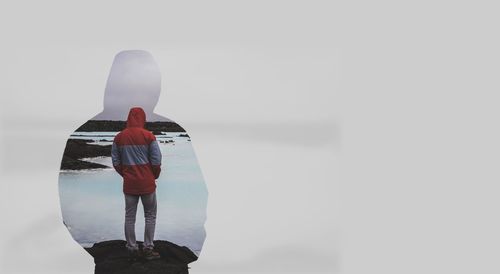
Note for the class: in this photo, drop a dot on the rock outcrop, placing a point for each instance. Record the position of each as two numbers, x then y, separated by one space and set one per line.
112 257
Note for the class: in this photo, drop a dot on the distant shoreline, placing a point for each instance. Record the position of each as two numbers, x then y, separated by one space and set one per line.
112 125
76 149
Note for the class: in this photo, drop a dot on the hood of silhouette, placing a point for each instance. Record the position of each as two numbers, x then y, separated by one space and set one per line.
134 81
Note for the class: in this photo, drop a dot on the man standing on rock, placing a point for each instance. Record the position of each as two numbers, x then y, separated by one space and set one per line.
136 157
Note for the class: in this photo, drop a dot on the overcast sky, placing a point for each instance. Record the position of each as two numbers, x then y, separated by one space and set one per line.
134 81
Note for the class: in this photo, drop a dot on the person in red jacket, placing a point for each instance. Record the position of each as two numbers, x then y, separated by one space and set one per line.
136 156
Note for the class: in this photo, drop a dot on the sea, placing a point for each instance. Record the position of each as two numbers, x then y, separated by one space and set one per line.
93 205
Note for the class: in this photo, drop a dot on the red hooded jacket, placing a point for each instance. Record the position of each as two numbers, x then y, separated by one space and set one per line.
136 155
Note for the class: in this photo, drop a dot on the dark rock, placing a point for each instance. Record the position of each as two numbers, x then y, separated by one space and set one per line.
110 125
80 148
112 257
158 132
69 163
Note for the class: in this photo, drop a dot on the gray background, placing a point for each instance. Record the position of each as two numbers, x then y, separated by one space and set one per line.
253 83
352 137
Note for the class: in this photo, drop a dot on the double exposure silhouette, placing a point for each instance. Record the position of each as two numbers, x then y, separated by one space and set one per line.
100 194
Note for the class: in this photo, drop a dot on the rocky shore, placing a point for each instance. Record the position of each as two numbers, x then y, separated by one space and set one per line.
110 125
111 257
77 149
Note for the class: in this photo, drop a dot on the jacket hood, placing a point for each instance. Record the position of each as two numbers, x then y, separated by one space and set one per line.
136 117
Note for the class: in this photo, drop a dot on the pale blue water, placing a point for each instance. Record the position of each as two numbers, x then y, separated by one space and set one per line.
92 201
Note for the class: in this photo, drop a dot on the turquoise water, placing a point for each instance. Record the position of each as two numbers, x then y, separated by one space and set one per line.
93 205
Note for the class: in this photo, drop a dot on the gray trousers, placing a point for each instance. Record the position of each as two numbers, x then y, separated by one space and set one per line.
149 204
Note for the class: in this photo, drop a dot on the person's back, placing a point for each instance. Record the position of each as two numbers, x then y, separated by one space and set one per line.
136 155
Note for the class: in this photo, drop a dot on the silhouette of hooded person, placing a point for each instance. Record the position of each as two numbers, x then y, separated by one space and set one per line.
91 191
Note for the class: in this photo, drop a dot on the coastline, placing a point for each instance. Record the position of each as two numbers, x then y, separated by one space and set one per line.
112 125
78 148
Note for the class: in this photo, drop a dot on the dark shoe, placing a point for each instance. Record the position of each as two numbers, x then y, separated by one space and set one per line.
133 254
150 254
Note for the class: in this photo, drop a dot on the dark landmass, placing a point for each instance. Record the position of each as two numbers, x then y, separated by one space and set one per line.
111 257
109 125
75 164
101 135
157 132
77 149
80 148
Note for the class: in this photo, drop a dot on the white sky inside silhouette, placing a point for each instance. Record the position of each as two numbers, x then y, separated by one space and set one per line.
134 81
